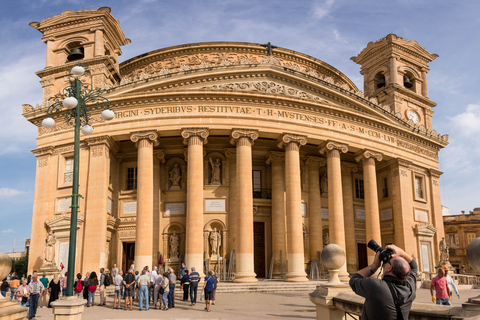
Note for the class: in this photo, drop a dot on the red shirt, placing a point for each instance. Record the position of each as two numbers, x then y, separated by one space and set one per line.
440 285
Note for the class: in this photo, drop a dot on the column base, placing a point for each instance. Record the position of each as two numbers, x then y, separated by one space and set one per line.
142 261
11 310
245 277
343 274
68 308
296 277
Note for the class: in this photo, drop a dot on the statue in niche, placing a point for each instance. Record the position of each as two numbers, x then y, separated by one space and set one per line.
215 171
174 244
50 248
215 241
324 184
326 239
174 177
444 250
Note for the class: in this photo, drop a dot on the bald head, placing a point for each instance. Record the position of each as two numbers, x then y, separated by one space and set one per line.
400 268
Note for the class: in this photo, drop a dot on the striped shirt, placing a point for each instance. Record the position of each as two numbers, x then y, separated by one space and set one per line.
36 287
194 276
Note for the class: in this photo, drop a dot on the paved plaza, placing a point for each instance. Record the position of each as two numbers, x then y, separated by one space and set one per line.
285 305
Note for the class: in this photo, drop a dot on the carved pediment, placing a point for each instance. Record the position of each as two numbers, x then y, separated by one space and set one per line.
423 229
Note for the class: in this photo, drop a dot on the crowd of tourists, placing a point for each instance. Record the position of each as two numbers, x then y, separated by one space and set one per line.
150 288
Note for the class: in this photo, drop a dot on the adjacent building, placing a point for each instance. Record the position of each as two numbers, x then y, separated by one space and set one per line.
222 146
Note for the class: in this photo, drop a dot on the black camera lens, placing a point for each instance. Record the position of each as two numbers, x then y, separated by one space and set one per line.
374 245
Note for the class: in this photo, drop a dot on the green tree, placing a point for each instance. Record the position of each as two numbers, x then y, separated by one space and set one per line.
19 266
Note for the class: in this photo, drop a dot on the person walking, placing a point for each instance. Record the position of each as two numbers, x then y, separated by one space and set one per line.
4 287
129 283
166 288
118 282
64 284
78 286
442 292
451 284
171 297
54 289
208 289
92 284
102 288
14 287
43 296
185 283
144 282
157 296
214 287
36 288
194 277
23 293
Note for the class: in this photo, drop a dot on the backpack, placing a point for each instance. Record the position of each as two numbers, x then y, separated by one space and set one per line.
107 281
78 286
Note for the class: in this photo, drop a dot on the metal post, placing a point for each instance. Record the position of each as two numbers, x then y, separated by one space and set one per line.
272 262
281 262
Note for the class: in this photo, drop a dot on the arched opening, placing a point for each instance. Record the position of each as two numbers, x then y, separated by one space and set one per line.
75 51
409 81
379 80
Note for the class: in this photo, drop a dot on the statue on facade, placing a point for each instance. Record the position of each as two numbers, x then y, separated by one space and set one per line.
324 184
50 248
444 250
326 239
174 177
215 241
174 245
216 180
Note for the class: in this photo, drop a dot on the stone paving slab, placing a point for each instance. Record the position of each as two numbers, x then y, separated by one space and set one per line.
278 305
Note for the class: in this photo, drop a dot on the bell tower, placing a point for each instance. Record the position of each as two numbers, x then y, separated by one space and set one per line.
395 72
91 37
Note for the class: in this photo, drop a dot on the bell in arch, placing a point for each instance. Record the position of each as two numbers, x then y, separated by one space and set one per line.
406 82
381 82
76 54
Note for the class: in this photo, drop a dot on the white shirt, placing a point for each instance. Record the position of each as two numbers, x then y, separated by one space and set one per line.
451 285
153 276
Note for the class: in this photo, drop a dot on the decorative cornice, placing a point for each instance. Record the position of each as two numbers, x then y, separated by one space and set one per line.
274 156
103 140
349 167
43 151
151 135
287 138
330 145
237 133
315 161
367 154
435 173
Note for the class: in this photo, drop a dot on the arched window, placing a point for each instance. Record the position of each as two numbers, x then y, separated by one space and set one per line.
379 80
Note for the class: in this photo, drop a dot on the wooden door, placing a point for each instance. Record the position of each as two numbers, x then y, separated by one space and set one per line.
362 255
259 249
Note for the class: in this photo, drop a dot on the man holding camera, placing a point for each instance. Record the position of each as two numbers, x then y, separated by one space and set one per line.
390 297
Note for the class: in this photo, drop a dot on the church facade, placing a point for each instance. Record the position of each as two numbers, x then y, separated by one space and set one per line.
223 146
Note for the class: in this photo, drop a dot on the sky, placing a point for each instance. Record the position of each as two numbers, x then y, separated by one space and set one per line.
330 30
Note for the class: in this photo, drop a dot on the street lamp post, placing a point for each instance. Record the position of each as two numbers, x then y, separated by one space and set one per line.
75 98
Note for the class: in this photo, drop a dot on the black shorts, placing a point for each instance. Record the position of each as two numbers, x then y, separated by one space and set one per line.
208 294
129 292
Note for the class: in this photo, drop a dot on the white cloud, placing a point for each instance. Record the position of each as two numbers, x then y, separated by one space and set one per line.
8 231
468 122
322 10
8 193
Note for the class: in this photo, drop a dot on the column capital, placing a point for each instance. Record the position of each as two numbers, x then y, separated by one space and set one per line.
159 154
286 138
103 140
435 173
274 156
349 167
230 152
315 161
150 135
401 163
330 145
44 151
201 132
237 133
367 154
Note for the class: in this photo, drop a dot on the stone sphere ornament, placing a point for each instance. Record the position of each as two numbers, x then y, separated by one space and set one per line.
78 71
48 123
5 265
473 255
70 102
333 257
87 129
107 114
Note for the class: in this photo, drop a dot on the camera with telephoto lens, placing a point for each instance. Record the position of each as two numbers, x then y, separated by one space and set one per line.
385 255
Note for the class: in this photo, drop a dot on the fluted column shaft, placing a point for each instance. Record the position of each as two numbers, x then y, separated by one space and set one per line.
372 217
195 138
144 140
277 160
295 247
243 139
314 205
231 155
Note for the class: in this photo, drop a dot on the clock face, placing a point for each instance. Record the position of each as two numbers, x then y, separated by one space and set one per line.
412 115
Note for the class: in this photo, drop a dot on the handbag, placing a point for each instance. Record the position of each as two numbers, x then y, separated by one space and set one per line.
161 290
24 299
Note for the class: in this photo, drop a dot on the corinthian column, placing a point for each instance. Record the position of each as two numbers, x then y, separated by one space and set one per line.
349 215
314 205
195 138
372 217
243 139
295 248
277 160
144 141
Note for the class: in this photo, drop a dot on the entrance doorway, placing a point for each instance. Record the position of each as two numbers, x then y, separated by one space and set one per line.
259 248
362 255
128 255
